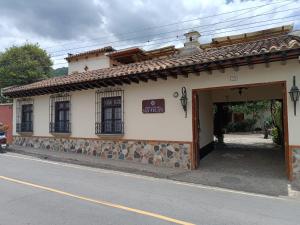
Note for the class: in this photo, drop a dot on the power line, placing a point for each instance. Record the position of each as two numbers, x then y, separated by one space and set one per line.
272 10
176 23
213 31
181 39
173 31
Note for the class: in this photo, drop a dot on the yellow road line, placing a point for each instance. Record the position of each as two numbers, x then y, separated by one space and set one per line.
182 183
117 206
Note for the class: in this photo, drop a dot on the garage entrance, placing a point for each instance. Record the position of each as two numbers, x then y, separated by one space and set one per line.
221 140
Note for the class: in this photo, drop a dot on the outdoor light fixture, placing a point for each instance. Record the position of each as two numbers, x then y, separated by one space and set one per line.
294 93
184 100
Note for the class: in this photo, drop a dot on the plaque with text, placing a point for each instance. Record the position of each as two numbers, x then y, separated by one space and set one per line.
153 106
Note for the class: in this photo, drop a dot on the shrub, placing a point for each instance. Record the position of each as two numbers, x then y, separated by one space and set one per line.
246 125
276 136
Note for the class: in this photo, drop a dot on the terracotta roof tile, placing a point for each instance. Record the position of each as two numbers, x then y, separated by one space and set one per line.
95 51
257 47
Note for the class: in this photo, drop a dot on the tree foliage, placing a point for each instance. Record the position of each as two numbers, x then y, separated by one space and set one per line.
59 72
276 113
252 108
24 64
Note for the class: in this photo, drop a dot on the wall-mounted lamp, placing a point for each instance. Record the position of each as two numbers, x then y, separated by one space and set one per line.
294 94
184 100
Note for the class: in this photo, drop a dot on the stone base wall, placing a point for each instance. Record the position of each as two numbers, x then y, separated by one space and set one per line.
164 154
296 163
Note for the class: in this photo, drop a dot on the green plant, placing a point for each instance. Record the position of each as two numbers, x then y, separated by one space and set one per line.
246 125
276 136
277 131
251 108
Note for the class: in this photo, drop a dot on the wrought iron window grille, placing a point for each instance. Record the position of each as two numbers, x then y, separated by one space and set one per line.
24 115
109 112
60 113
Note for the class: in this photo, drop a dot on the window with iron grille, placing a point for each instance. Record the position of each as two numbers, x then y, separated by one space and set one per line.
24 115
109 112
60 113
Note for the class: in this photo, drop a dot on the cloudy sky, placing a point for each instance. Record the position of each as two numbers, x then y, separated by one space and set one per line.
70 26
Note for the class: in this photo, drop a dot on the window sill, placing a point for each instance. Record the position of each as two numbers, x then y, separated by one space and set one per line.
60 134
110 135
25 133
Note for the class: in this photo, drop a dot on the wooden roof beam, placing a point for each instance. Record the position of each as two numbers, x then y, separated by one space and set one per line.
152 76
126 81
109 83
234 65
207 69
283 58
267 60
133 79
250 62
197 69
220 67
117 82
99 84
163 75
142 78
174 73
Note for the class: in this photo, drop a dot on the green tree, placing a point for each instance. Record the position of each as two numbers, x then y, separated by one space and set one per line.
59 72
252 108
276 114
24 64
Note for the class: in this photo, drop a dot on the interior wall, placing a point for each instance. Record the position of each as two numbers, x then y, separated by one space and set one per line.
250 94
206 118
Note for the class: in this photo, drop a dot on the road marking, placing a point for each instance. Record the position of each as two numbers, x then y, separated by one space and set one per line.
182 183
109 204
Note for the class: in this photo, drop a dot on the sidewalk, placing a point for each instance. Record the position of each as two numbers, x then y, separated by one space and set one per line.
92 161
259 185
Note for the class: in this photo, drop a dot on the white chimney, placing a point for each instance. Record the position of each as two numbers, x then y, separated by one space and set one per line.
191 44
192 39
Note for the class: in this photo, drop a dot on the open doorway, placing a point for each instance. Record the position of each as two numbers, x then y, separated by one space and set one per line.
241 130
249 124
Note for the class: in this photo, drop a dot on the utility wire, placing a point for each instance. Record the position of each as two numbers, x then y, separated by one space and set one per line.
173 31
172 24
181 39
176 23
213 31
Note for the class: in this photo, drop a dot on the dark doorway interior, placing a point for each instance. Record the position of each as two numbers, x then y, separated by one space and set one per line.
247 136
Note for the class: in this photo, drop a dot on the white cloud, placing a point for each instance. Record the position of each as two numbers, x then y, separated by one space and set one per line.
70 26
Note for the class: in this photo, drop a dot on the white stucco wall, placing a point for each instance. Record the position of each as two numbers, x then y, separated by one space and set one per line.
206 117
171 125
93 63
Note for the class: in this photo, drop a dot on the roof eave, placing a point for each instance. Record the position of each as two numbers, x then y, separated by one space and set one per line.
184 70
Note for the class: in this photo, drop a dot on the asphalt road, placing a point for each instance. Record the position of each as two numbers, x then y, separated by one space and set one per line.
40 192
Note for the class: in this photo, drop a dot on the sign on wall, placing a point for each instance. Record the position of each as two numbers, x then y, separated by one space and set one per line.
153 106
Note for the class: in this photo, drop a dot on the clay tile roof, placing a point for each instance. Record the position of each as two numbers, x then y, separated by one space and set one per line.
95 51
234 51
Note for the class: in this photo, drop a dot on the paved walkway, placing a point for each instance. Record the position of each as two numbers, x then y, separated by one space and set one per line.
245 140
278 186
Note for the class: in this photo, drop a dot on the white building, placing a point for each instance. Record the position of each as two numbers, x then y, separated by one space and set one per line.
156 106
